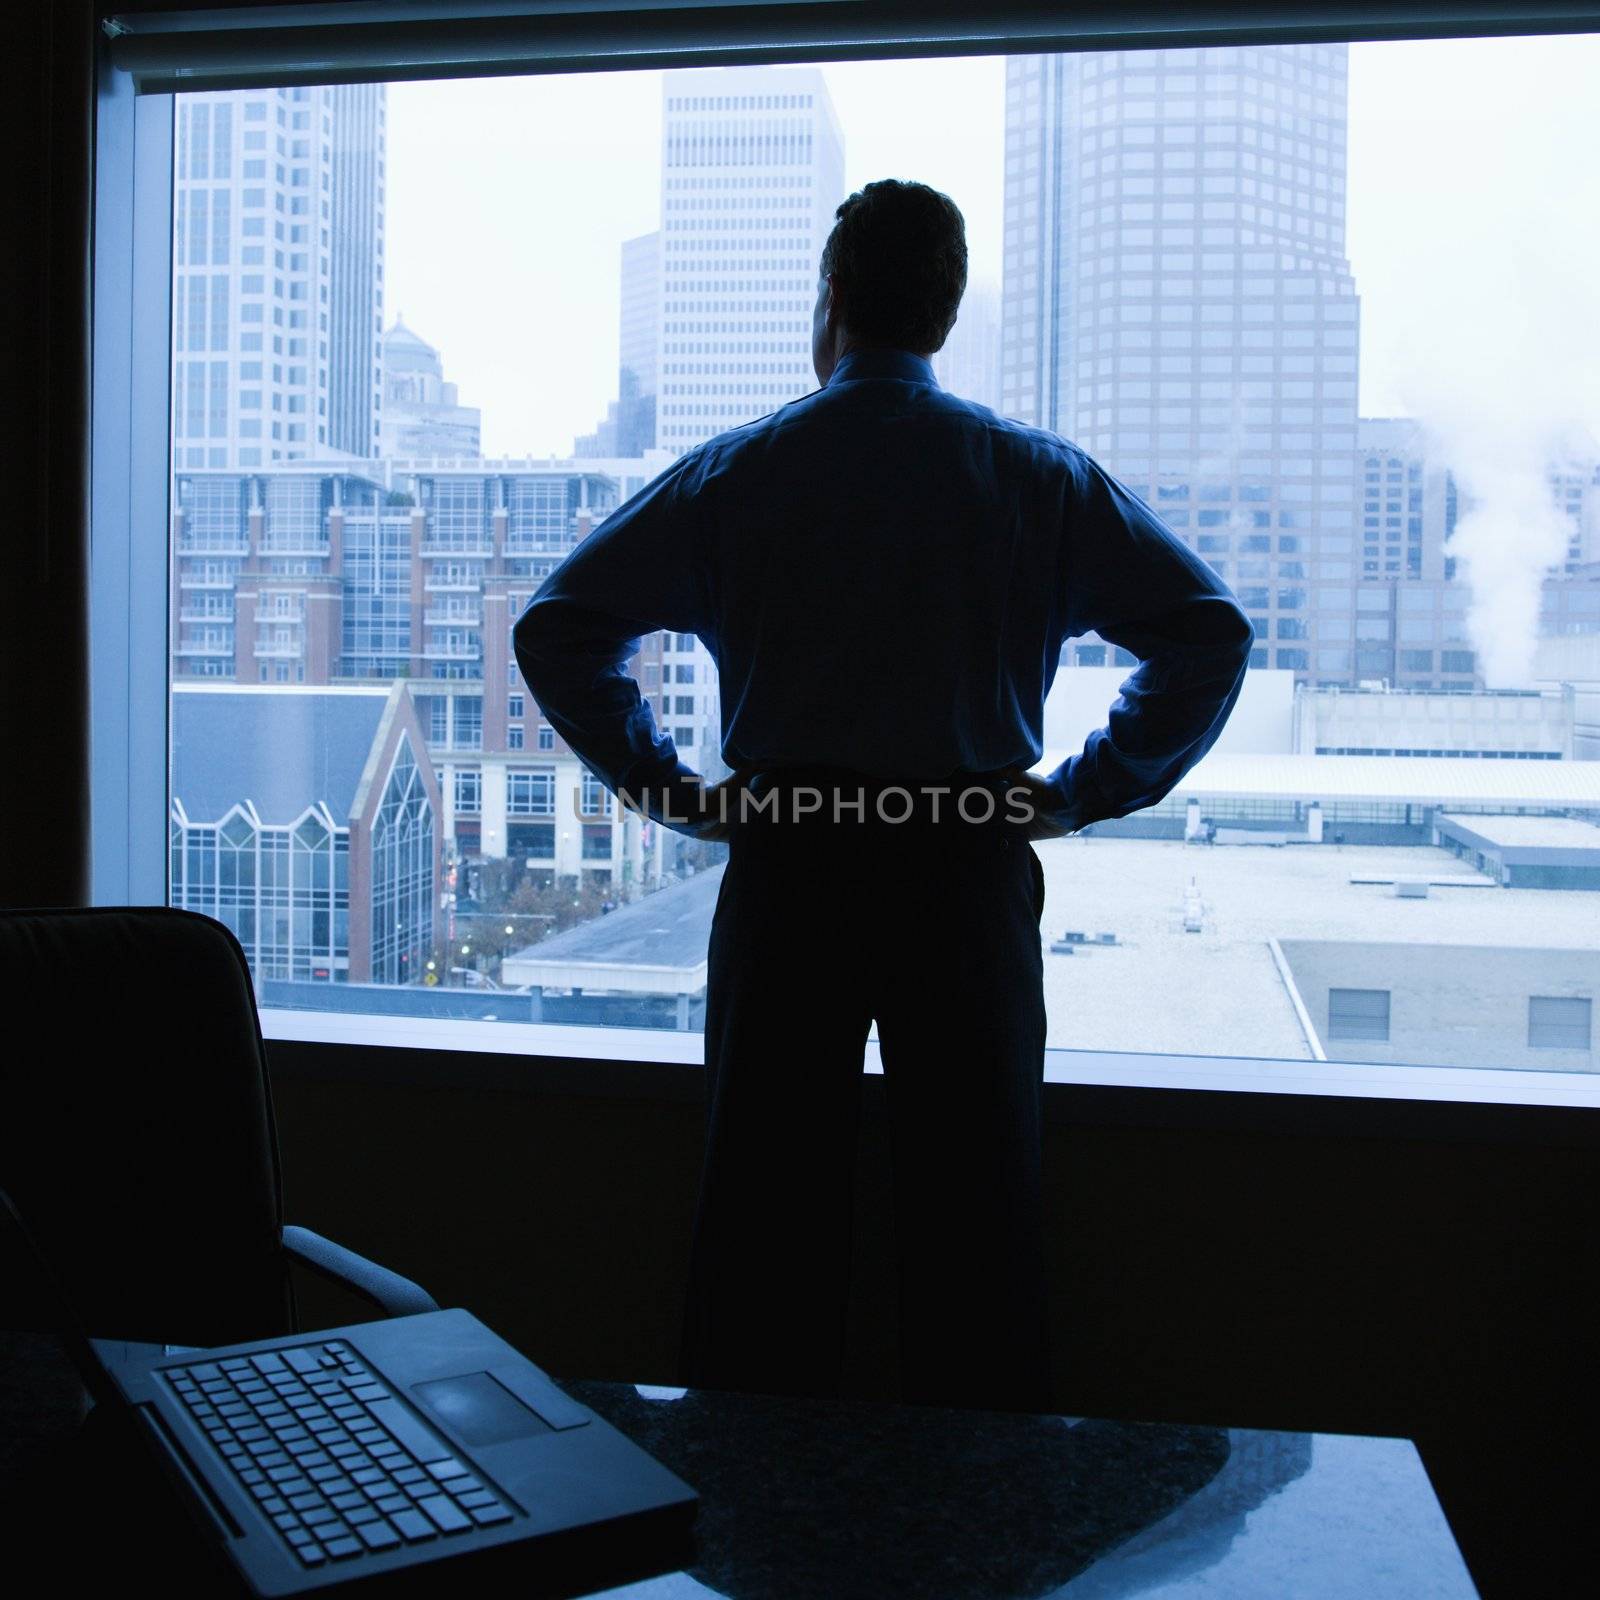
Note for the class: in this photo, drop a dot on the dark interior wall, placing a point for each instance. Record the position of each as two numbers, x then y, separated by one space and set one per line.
558 1218
44 400
1382 1267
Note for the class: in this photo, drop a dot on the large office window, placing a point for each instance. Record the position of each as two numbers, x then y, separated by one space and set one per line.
1274 289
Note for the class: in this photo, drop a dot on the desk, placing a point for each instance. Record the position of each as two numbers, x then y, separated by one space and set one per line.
837 1500
852 1501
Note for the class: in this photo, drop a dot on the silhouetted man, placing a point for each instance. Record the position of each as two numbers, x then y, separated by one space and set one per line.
885 575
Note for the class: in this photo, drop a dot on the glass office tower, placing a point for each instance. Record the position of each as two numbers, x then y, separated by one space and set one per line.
277 274
752 169
1177 301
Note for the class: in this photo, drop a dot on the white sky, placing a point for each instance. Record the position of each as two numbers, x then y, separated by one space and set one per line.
1473 229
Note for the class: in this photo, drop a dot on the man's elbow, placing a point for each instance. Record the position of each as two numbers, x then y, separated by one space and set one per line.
1242 635
1221 632
533 645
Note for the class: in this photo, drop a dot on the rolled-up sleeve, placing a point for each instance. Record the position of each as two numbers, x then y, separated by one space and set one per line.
1129 579
640 571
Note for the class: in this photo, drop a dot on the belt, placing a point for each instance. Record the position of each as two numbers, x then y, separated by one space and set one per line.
827 777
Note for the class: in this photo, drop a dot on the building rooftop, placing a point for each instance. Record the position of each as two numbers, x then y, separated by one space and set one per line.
1219 990
281 747
398 336
1561 833
1415 780
655 944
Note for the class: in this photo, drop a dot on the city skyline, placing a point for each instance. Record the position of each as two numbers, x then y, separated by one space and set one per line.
1420 149
1254 168
304 582
351 616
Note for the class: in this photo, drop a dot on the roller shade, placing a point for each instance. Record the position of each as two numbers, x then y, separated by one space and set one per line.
369 40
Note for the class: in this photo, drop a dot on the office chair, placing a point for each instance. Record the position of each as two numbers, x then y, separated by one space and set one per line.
137 1145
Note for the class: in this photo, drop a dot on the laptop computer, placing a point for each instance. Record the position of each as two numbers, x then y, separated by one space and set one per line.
382 1449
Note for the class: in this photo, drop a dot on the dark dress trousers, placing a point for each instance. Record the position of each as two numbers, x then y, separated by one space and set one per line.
931 929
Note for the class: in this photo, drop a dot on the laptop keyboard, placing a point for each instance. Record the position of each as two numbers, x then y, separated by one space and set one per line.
331 1455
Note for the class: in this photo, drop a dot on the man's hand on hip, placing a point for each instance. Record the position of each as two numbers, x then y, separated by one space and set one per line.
1048 820
715 808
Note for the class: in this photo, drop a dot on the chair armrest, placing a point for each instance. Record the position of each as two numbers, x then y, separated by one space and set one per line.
393 1295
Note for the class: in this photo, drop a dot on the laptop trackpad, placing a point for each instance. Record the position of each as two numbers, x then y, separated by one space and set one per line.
479 1410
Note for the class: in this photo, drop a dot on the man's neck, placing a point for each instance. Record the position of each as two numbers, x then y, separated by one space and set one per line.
850 347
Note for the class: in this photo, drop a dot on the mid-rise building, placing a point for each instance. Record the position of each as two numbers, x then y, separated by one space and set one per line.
277 274
1576 487
414 572
1408 503
1177 301
307 820
422 414
752 172
1569 626
1405 620
1482 725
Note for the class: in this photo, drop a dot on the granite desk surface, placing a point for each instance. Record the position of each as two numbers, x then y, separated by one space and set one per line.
852 1501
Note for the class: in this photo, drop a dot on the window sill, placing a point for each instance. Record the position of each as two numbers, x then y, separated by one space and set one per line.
596 1048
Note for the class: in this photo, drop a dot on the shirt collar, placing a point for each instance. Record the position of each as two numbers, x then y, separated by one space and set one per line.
900 365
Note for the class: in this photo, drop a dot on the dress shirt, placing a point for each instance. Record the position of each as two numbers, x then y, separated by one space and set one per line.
885 575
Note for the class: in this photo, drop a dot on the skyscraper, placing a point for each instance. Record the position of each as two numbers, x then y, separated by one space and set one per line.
752 169
277 274
637 347
628 428
1177 301
355 266
969 363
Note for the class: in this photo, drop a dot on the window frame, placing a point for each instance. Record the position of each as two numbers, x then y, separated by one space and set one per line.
397 40
144 56
130 509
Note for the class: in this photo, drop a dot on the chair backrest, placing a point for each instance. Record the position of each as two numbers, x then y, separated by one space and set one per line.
136 1132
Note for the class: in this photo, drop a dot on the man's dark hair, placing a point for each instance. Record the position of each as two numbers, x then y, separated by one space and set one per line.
898 258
